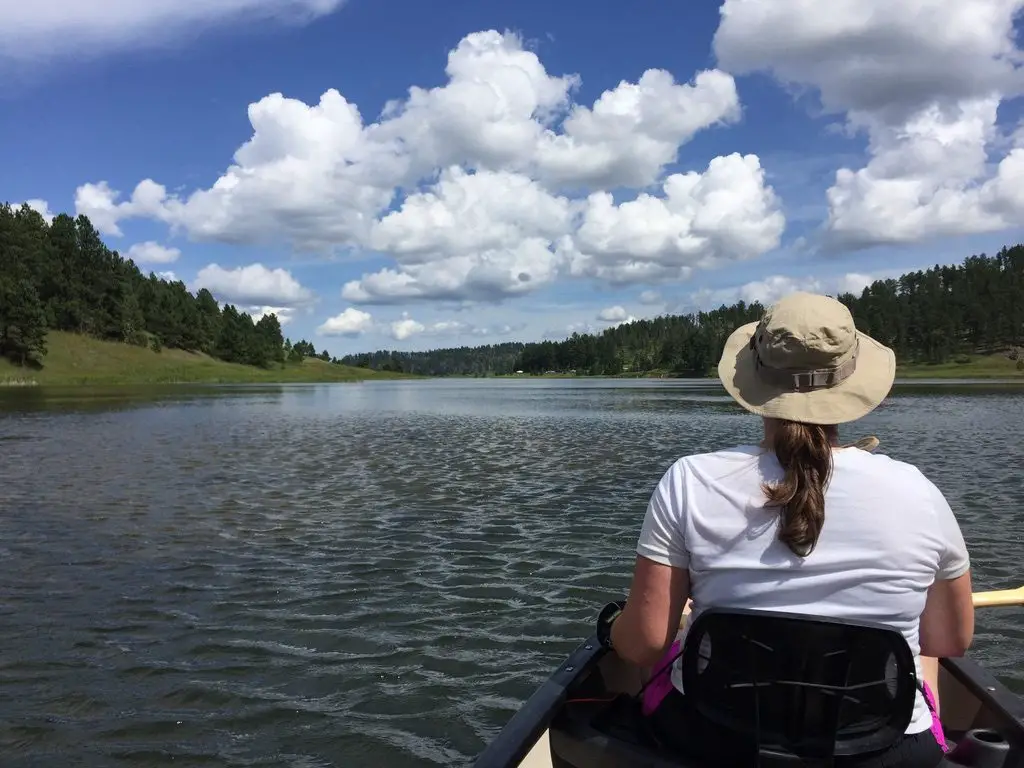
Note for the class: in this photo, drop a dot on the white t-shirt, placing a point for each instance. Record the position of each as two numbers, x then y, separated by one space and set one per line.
888 534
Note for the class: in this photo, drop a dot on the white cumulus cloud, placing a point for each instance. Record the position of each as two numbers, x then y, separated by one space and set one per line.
406 327
150 252
253 285
42 207
484 235
477 188
284 314
614 314
923 79
727 213
351 322
64 27
770 289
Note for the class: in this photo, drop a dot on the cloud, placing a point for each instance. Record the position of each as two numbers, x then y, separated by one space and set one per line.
406 327
99 203
152 253
351 322
254 285
571 328
877 57
615 316
502 329
284 314
770 289
635 130
42 207
650 298
477 188
486 235
612 314
65 27
923 79
726 213
929 178
493 235
168 275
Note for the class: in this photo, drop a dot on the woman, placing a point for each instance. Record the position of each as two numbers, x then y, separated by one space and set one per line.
799 523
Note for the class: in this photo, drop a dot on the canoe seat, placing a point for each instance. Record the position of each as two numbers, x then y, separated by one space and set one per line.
803 686
774 688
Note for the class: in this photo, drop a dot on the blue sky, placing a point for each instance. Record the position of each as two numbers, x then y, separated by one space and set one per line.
544 183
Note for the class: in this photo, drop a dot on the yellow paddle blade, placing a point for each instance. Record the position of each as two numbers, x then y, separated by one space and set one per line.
999 597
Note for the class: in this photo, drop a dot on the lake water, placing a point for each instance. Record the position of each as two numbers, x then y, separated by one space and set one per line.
372 574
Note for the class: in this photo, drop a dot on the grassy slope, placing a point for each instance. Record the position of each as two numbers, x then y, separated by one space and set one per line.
74 359
978 367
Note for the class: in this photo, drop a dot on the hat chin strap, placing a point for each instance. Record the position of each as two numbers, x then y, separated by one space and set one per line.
795 380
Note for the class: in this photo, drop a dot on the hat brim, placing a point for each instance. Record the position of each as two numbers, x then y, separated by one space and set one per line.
848 400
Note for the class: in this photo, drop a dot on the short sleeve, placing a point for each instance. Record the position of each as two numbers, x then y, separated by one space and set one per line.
954 561
661 536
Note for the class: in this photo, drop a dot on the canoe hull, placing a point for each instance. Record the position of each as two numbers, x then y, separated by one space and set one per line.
549 733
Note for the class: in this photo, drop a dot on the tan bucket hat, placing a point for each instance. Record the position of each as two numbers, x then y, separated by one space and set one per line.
806 361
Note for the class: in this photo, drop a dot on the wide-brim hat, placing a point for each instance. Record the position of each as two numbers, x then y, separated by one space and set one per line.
806 361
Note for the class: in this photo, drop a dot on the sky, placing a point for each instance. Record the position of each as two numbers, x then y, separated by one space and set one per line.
394 174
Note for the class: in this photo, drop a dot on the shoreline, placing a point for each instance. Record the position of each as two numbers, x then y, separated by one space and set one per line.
73 360
80 361
303 377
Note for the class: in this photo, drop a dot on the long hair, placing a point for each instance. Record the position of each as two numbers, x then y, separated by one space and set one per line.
805 453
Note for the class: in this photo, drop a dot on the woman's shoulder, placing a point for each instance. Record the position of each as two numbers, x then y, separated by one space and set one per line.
731 456
878 463
883 468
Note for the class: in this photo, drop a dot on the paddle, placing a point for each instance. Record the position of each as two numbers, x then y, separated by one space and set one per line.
999 597
868 443
991 599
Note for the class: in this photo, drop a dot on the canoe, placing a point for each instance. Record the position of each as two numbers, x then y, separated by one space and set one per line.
585 716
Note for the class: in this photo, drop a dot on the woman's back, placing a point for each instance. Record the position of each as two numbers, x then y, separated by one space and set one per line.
802 526
888 534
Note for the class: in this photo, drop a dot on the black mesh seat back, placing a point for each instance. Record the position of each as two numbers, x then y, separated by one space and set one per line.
802 685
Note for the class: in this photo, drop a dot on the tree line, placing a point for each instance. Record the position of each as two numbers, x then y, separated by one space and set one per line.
456 361
61 276
929 316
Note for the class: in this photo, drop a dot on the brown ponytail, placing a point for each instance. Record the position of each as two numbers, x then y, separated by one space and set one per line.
805 453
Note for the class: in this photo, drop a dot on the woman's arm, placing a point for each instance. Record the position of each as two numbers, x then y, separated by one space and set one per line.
650 620
947 624
661 576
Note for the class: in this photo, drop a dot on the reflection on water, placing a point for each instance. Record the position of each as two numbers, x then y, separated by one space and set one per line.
371 574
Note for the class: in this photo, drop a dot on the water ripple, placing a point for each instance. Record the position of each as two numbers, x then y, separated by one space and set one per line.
370 575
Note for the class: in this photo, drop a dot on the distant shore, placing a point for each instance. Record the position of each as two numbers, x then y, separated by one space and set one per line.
980 367
73 360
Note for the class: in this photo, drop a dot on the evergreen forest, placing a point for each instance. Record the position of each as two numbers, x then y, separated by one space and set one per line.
929 317
61 276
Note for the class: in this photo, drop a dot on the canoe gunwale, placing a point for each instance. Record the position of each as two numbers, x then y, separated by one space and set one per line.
995 698
1002 708
527 725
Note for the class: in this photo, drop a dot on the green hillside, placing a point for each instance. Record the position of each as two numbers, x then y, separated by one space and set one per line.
997 366
76 359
